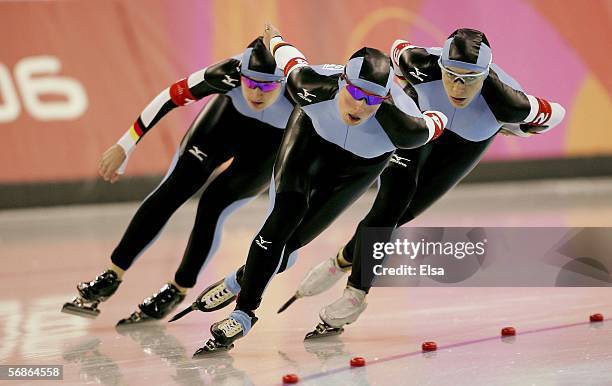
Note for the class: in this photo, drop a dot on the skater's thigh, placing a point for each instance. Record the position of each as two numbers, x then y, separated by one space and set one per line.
447 164
183 179
248 175
395 190
299 160
328 200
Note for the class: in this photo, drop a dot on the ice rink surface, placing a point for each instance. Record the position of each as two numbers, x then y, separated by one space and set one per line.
45 252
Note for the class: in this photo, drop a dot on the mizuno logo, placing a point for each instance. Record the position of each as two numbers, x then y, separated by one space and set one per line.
229 81
417 74
399 160
305 95
199 154
261 242
333 67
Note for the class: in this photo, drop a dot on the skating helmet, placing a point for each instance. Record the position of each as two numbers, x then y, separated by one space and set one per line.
468 49
370 70
258 63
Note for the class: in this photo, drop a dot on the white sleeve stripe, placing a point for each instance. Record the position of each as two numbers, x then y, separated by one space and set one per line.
127 143
153 108
535 107
274 42
196 77
287 55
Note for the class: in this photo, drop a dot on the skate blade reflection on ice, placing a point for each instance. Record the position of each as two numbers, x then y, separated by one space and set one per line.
94 366
138 329
326 349
79 350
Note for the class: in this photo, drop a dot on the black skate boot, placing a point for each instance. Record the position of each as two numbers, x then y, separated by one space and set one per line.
213 298
155 307
92 293
323 330
226 332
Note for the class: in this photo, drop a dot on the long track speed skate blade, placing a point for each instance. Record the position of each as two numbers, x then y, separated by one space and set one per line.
187 310
137 317
288 303
212 347
323 330
78 308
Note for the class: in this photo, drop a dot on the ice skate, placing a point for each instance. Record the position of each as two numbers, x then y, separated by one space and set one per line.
92 293
226 332
155 307
343 311
212 347
319 279
323 330
214 297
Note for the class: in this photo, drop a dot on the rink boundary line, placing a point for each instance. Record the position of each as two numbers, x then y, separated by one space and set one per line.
371 362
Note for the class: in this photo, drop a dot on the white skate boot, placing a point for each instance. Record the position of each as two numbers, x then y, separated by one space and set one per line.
225 332
343 311
319 279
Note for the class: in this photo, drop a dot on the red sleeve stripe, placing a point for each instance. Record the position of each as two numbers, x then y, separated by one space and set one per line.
138 128
294 62
398 49
544 112
180 93
279 45
438 123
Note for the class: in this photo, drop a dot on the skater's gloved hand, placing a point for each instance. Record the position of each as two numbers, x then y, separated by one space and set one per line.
110 163
514 129
270 31
533 129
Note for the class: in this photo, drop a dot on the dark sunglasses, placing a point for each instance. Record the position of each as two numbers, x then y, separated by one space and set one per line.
263 86
359 93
